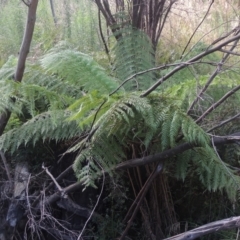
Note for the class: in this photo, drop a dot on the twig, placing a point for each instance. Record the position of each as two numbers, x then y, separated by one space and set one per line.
158 68
101 34
53 179
224 122
190 39
230 52
215 73
103 173
27 4
196 58
216 104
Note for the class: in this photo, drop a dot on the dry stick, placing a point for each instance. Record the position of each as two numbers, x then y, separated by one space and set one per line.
194 59
213 227
53 179
140 197
6 166
85 225
190 39
232 53
216 104
224 122
215 73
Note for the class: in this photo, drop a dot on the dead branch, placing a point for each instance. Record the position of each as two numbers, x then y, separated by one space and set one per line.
220 225
216 104
224 122
212 77
203 19
194 59
218 140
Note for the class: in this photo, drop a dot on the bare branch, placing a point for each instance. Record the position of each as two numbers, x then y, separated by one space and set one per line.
212 227
214 74
181 66
216 104
224 122
159 68
53 179
190 39
230 52
26 3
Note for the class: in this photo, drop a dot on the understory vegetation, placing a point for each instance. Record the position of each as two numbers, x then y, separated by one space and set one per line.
121 128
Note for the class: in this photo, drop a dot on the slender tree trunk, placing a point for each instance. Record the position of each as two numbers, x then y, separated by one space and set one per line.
24 50
53 12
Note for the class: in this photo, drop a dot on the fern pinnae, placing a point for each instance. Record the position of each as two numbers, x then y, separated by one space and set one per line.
174 128
182 164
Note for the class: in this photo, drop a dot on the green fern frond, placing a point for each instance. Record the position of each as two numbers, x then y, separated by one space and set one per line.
214 173
36 75
8 69
182 164
132 118
43 127
133 54
78 68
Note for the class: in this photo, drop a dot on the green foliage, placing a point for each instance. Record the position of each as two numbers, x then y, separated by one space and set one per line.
193 71
155 123
133 54
58 100
78 68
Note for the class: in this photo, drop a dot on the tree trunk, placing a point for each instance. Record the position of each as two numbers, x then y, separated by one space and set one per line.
24 50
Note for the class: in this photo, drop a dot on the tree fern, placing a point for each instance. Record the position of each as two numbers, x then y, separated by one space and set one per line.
43 127
131 118
78 68
133 53
68 93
